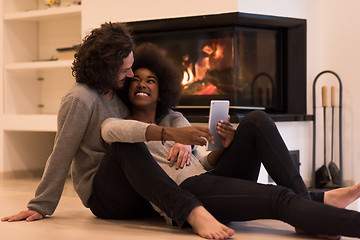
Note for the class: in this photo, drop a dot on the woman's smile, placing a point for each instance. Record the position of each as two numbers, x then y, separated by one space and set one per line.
142 94
144 88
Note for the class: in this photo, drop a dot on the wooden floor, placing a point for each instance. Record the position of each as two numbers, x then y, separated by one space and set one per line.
72 221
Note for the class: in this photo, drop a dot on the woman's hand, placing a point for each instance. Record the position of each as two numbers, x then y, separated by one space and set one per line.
181 154
28 215
226 132
193 135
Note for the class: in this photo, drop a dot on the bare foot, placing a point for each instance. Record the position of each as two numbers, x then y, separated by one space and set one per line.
206 226
342 197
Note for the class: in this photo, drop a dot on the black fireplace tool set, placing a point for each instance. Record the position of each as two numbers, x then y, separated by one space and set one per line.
328 176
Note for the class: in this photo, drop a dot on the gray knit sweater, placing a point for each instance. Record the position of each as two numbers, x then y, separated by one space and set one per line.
78 143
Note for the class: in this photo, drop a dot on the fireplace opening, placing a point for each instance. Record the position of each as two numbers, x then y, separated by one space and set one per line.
255 61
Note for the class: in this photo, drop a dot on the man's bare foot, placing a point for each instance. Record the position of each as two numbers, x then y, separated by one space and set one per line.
206 226
342 197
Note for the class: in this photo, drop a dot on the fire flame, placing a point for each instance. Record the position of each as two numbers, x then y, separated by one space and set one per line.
211 57
188 76
201 66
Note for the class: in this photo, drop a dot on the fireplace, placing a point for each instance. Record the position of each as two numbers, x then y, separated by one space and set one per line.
255 61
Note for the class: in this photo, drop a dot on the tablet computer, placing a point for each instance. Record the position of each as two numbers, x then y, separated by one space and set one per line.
219 110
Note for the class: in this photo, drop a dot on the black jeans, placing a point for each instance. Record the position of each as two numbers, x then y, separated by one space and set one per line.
128 178
231 193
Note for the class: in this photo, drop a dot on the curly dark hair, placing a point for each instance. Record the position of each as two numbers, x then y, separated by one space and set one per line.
99 58
148 55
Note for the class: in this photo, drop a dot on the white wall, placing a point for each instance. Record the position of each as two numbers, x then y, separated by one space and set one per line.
1 85
340 50
136 10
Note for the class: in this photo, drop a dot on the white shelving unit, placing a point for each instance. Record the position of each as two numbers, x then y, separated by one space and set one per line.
33 80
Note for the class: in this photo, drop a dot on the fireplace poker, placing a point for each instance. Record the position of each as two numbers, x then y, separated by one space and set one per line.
334 170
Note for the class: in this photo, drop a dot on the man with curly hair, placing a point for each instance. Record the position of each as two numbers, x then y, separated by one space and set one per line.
117 181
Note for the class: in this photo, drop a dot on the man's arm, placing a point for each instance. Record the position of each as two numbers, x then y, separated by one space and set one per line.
72 123
71 127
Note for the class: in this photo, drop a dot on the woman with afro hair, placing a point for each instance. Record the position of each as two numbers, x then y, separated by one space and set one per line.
149 56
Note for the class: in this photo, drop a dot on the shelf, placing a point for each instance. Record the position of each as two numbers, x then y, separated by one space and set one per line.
44 14
38 65
33 81
31 122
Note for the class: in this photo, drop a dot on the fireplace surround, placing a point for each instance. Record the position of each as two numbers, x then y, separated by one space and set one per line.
255 61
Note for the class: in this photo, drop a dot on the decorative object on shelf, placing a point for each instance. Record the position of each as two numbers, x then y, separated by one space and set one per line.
52 3
321 177
67 3
66 53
